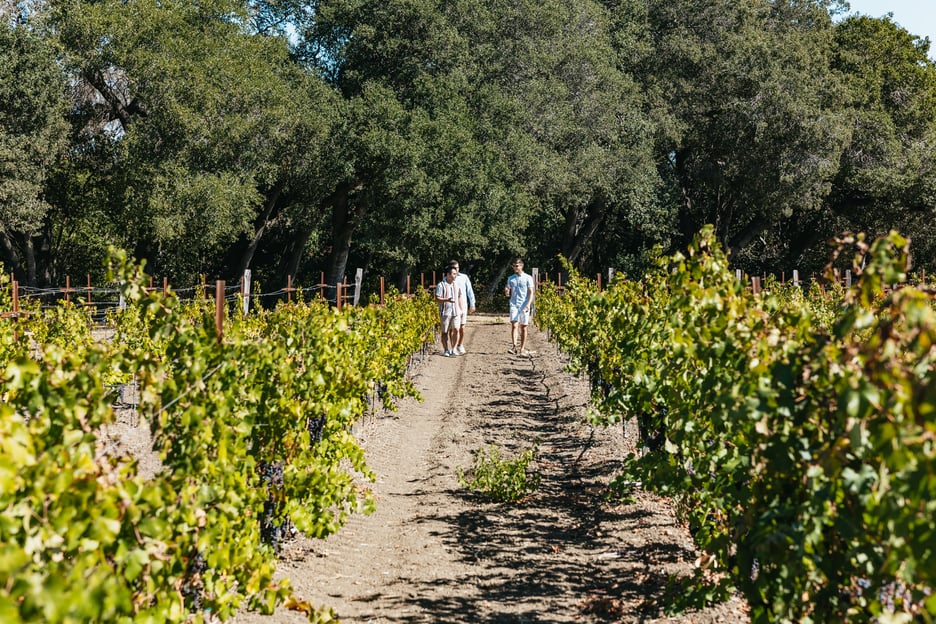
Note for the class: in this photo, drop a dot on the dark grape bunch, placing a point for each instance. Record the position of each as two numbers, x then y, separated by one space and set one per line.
315 427
274 526
193 587
271 473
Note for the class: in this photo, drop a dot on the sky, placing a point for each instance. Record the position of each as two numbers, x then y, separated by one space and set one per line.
918 17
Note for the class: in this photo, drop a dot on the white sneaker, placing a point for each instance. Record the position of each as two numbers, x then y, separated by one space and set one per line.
447 353
461 349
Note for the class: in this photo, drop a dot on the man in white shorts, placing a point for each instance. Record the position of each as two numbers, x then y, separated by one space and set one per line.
447 295
520 290
466 301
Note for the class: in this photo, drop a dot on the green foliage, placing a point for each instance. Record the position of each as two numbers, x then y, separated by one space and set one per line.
33 134
86 539
292 138
500 479
792 429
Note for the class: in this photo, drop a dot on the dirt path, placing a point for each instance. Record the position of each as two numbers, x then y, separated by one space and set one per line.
434 553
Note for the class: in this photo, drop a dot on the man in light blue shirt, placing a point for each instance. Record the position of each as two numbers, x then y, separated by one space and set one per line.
521 292
467 299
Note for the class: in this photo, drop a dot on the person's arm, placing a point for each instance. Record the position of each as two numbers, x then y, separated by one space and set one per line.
440 295
470 292
531 294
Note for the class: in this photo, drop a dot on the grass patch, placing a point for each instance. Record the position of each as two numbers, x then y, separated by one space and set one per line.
501 479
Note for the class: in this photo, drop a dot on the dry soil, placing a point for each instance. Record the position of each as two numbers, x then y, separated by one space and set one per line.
434 552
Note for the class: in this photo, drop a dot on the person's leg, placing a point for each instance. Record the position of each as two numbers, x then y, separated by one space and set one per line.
446 325
457 329
513 335
523 334
453 339
461 332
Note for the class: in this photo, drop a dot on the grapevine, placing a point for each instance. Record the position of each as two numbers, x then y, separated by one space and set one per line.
793 429
84 538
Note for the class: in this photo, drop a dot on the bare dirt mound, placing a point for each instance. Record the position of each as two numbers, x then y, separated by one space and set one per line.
433 552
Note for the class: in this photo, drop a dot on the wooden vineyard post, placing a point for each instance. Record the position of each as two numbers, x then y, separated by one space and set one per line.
68 290
358 280
382 290
322 287
598 281
219 309
15 308
756 284
289 289
796 281
89 305
245 290
338 295
407 286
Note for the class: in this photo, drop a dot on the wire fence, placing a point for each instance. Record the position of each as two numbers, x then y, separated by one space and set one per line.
100 301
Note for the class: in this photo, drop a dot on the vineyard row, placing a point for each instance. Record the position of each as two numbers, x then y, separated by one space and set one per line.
253 436
794 428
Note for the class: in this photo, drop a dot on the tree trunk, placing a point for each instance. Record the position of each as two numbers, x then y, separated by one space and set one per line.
743 238
14 263
120 110
498 281
264 222
29 250
344 222
295 257
578 234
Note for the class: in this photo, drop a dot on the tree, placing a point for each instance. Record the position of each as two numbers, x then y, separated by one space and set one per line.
887 173
566 115
213 129
759 126
33 136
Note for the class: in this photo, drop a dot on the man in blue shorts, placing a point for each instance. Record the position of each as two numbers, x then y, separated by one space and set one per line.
520 290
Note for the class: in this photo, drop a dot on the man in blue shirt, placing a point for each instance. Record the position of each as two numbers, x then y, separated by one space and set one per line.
520 290
466 298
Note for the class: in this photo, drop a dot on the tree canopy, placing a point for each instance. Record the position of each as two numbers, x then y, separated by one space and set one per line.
294 137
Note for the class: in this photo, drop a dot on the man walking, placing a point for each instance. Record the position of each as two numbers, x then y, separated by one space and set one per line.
520 290
466 298
447 295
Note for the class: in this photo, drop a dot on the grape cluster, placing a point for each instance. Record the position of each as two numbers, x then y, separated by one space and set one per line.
274 526
271 473
315 427
653 429
193 587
